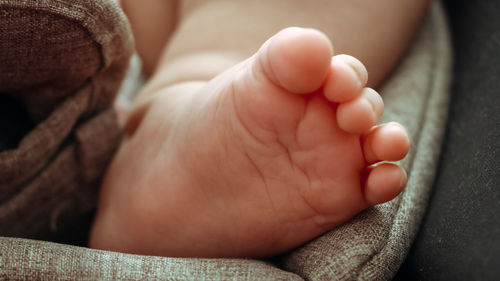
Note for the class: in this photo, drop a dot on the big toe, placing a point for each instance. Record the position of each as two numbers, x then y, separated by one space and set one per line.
296 59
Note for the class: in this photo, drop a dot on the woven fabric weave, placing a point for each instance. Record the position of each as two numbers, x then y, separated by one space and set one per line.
63 61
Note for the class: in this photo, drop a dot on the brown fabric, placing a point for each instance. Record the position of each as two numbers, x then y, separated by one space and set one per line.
63 61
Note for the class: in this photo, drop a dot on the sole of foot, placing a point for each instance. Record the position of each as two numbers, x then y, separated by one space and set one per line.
264 157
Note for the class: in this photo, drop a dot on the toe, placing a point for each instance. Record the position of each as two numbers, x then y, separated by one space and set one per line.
296 59
388 142
383 183
346 79
359 115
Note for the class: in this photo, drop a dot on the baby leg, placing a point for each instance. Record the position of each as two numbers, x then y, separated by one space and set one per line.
152 22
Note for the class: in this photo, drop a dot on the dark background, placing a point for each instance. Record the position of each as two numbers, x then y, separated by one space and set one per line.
460 235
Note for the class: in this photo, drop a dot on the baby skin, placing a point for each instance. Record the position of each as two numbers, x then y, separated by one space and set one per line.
266 156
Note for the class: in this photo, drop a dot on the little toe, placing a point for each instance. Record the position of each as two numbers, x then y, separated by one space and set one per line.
383 183
388 142
296 59
360 115
346 79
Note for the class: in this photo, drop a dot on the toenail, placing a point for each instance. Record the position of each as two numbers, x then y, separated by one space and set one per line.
398 127
395 124
357 67
374 100
362 78
392 127
403 177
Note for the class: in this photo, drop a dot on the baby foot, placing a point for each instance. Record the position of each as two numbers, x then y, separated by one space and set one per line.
266 156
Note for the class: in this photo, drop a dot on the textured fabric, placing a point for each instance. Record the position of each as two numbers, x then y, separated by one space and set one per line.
62 62
33 260
374 244
369 247
460 234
